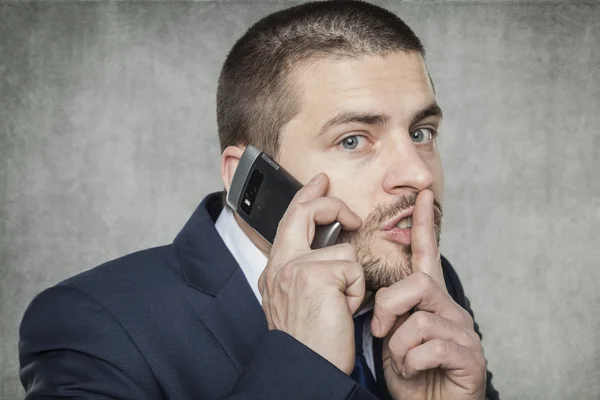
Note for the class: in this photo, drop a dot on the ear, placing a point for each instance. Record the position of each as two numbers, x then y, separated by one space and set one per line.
229 162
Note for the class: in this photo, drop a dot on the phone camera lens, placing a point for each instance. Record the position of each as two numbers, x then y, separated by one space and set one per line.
251 192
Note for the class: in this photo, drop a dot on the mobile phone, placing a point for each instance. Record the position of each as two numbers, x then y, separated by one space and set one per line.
261 192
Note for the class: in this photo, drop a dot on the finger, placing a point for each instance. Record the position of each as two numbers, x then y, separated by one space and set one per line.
416 290
459 360
297 227
425 252
265 297
345 276
316 187
386 356
422 327
342 251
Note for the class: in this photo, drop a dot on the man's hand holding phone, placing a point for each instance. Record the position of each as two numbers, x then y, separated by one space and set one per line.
312 294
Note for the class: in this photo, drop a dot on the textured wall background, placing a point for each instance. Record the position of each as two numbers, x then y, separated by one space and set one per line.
108 141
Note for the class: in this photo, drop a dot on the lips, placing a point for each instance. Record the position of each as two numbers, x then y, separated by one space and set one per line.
387 226
403 236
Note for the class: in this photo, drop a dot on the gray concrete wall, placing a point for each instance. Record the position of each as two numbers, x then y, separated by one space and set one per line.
108 141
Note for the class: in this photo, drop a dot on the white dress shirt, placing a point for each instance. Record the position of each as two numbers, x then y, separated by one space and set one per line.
252 262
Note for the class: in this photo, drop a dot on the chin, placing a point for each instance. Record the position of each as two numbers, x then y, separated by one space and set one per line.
384 263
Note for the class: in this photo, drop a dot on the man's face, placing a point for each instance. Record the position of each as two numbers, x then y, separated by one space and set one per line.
369 123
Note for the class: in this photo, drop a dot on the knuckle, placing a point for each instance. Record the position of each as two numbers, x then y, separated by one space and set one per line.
421 278
281 225
467 320
286 273
440 347
425 281
302 277
356 269
295 210
269 276
418 254
482 362
326 206
421 319
302 194
394 346
474 338
479 361
347 250
412 359
337 202
381 300
346 264
306 276
291 213
351 267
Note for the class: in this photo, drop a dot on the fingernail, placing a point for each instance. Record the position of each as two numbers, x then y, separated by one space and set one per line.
394 367
404 371
316 179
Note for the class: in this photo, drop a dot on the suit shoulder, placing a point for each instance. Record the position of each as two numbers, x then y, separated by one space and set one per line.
66 336
142 266
135 280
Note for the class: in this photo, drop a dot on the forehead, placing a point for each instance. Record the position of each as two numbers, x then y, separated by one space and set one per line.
396 83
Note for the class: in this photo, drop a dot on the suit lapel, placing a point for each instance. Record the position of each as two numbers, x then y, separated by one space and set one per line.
237 320
235 317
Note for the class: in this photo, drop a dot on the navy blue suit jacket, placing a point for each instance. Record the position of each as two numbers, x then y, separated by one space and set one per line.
173 322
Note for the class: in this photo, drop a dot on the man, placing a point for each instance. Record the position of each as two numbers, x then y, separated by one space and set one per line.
339 94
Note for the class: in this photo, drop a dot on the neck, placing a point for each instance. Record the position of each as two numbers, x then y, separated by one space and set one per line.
254 237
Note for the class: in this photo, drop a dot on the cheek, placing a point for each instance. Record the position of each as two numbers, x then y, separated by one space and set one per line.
299 159
359 194
357 187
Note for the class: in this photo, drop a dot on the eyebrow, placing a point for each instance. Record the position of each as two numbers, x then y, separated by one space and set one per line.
350 117
379 119
433 110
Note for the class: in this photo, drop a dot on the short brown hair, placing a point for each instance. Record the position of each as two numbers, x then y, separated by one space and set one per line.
255 98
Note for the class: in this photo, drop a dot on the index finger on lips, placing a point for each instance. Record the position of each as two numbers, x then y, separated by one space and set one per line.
425 253
417 290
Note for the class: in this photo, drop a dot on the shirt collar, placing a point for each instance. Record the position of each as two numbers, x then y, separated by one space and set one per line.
250 259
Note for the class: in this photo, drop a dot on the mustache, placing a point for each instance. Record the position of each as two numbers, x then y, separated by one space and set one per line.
382 213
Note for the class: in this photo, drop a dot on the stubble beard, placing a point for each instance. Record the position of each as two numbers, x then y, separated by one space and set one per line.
383 270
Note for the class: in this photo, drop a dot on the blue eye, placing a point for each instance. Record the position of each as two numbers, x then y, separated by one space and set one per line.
351 142
422 135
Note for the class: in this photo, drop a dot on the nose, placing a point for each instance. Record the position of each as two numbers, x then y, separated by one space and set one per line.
407 170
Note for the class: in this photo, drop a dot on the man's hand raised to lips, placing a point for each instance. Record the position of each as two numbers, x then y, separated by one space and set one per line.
312 294
433 353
